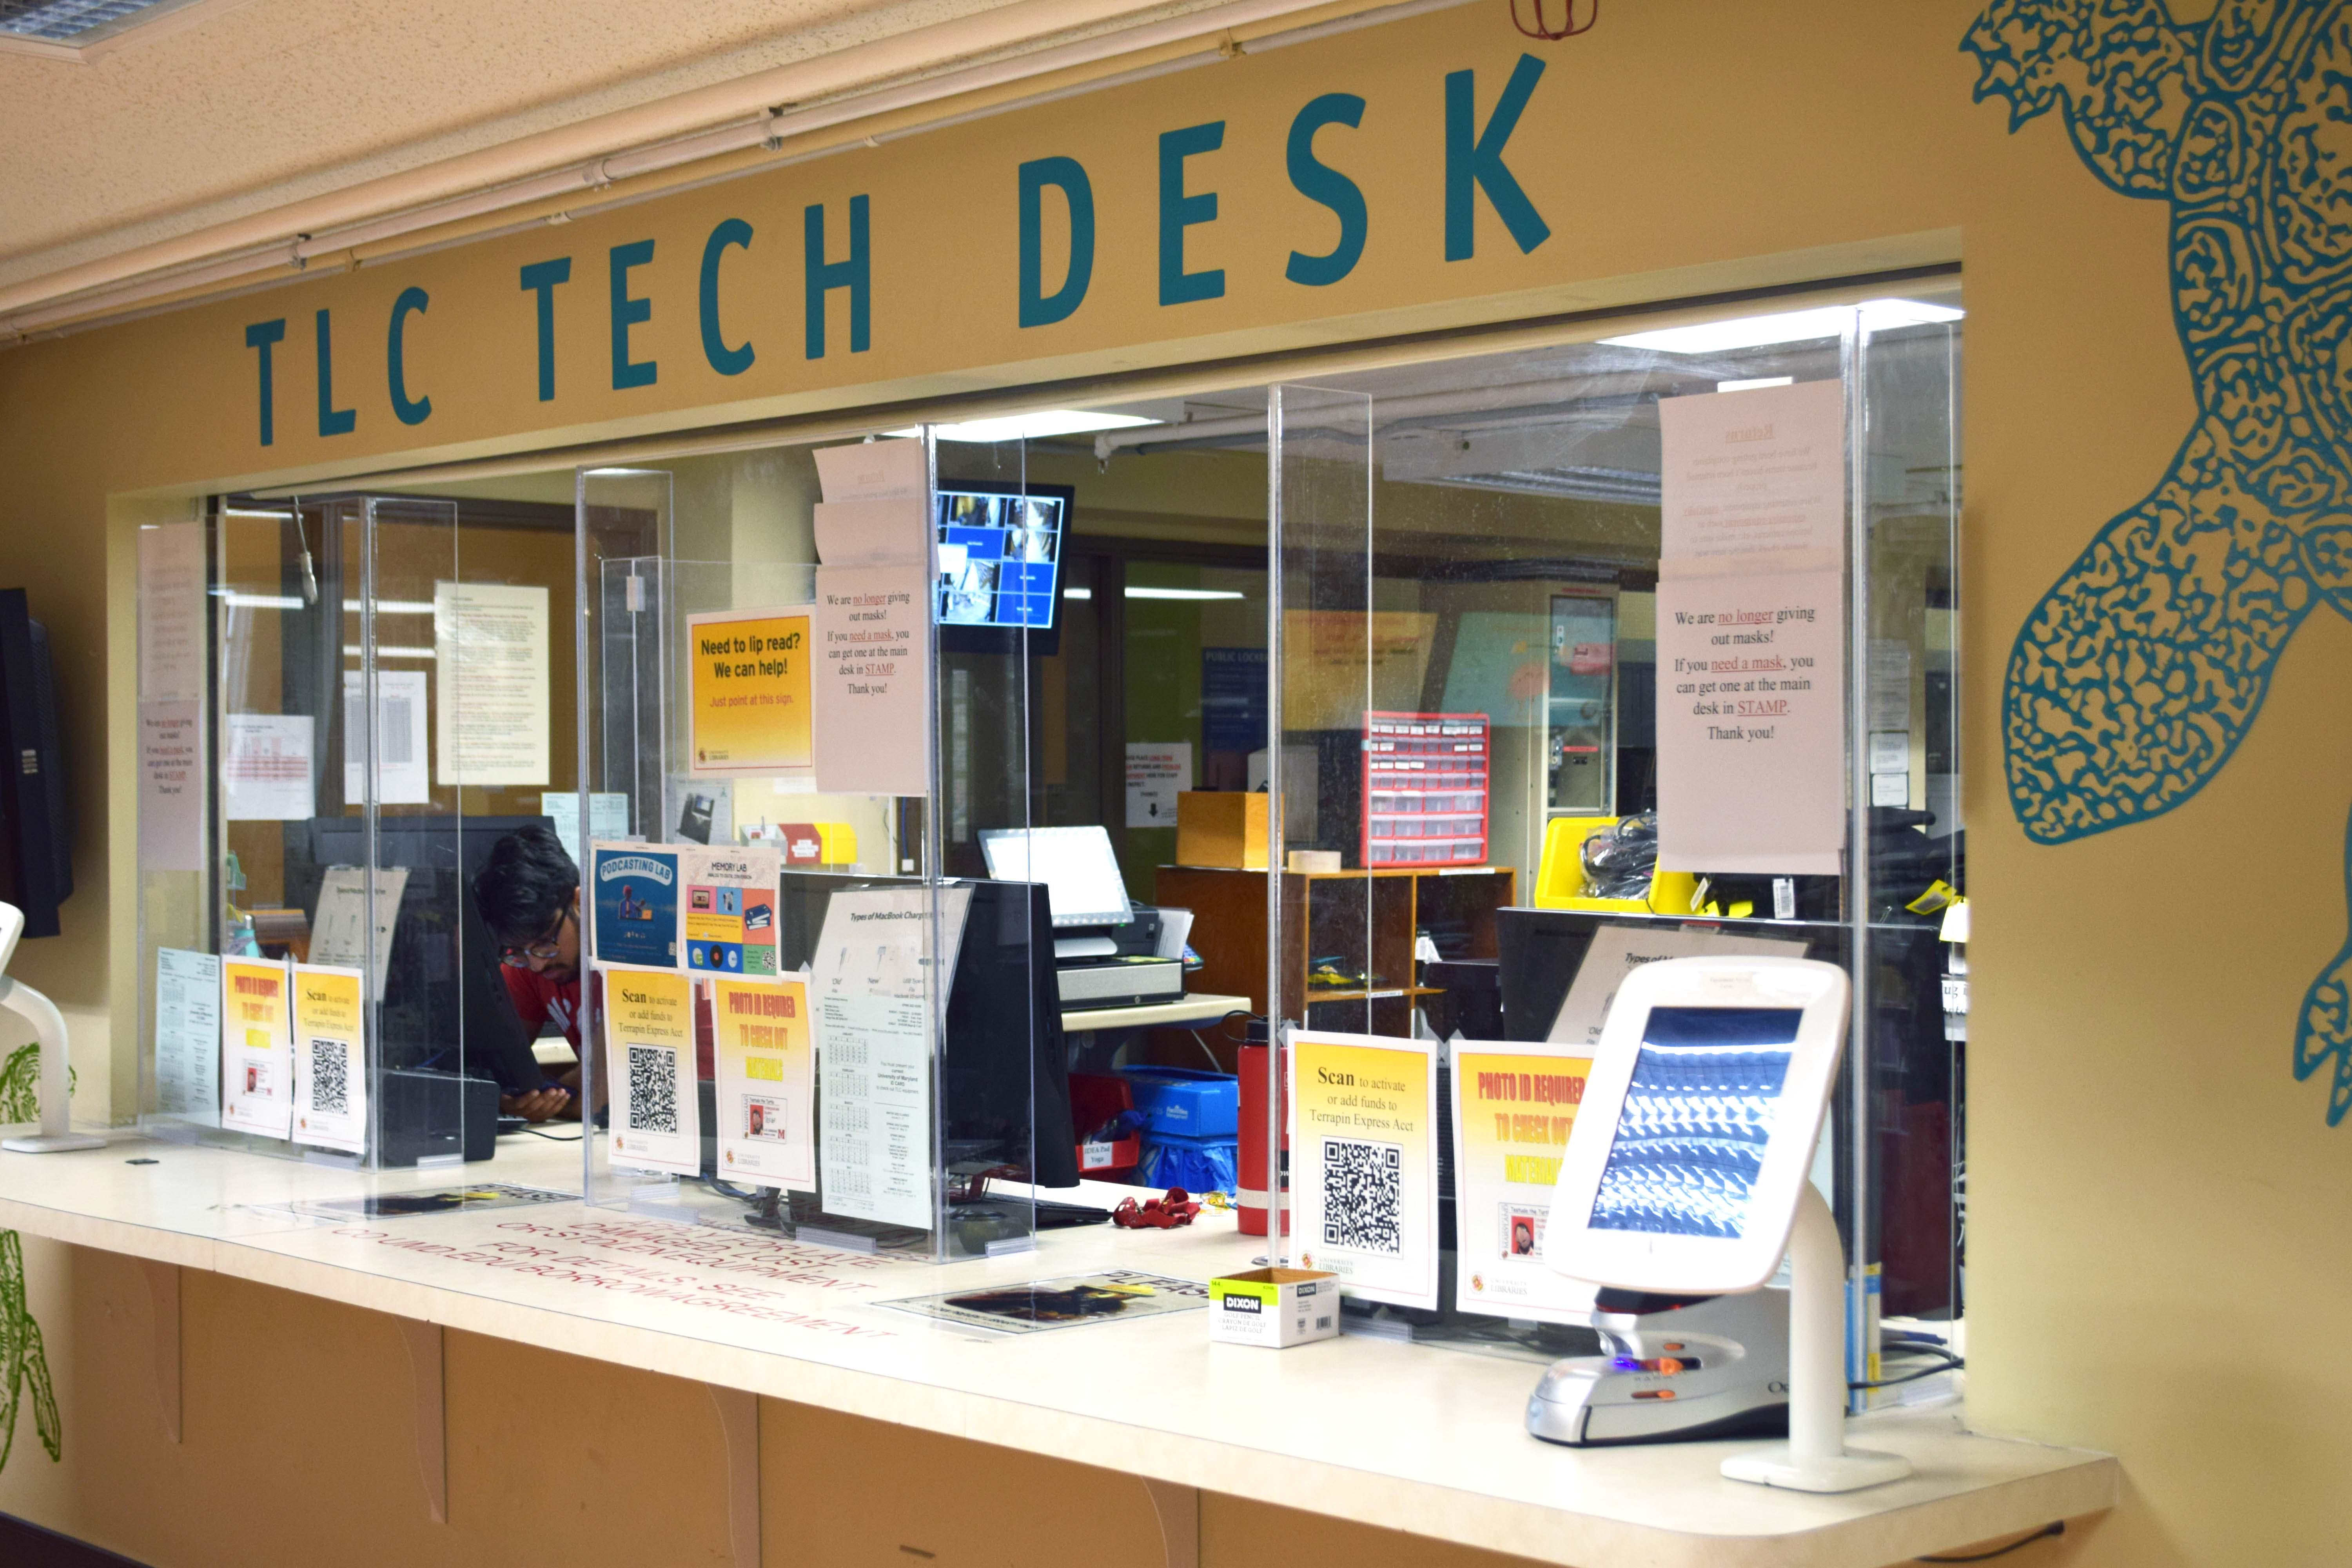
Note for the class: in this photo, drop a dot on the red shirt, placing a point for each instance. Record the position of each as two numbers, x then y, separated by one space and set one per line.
537 999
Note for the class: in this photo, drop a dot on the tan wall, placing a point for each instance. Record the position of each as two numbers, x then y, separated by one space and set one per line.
2148 1182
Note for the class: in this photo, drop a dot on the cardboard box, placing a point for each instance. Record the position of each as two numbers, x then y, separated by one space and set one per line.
1221 827
1274 1307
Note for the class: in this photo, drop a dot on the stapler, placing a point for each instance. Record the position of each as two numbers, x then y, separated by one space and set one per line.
1673 1369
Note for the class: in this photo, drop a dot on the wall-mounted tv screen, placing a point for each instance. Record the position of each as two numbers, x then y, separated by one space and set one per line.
1001 565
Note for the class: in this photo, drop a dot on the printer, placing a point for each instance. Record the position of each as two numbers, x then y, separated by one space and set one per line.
1107 949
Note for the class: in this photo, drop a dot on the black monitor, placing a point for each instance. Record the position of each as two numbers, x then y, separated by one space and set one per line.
1541 949
36 820
1007 1091
443 985
1001 548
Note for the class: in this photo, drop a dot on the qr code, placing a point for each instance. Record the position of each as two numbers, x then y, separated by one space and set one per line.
1363 1195
331 1077
653 1090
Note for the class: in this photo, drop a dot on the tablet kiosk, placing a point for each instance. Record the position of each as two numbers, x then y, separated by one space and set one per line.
1686 1174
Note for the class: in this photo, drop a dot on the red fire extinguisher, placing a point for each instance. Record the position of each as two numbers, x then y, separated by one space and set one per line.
1252 1068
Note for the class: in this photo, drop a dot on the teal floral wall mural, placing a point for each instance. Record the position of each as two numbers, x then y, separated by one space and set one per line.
2137 674
23 1363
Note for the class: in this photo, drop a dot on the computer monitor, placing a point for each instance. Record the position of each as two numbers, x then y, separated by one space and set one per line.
444 1003
1000 555
1080 873
36 813
1006 1094
1695 1134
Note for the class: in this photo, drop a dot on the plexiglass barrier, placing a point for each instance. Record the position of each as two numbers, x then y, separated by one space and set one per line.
809 714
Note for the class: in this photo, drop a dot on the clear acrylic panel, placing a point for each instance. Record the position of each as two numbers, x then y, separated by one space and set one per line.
1329 638
930 1154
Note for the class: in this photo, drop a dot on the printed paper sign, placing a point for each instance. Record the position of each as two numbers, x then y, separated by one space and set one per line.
748 693
1513 1107
766 1084
257 1021
490 644
634 903
732 911
338 924
1363 1118
331 1081
870 989
873 692
649 1051
1618 950
1752 723
608 816
1754 481
401 775
1156 772
265 772
171 786
187 1035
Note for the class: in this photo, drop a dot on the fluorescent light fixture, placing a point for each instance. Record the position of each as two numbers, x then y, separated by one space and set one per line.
250 511
1755 384
394 606
385 650
1787 327
261 601
625 473
1134 592
1031 426
1077 593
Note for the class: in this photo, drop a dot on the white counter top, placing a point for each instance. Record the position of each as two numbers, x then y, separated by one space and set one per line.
1404 1437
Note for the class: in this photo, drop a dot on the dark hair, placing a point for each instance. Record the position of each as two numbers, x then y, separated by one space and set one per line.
526 882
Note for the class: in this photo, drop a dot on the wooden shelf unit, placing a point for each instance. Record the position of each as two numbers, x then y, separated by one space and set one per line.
1324 913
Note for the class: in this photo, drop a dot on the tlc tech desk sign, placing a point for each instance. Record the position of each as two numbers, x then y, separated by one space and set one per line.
358 365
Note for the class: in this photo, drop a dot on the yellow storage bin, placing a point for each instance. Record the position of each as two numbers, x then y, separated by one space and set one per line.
1560 876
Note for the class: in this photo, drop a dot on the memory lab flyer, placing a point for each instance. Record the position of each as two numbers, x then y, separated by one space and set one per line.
256 1063
331 1104
1363 1161
767 1084
1514 1105
731 905
633 905
649 1052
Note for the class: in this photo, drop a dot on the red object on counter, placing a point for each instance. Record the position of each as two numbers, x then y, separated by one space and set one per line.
1095 1098
1252 1197
1156 1214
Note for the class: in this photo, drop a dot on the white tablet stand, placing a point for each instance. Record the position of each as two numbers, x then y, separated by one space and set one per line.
1690 1176
57 1132
1815 1458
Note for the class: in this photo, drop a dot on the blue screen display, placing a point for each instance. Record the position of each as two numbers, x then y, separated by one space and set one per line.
1690 1138
1000 558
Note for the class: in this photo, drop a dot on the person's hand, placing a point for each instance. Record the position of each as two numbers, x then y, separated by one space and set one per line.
539 1105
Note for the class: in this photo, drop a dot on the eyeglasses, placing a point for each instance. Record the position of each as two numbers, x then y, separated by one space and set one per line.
546 948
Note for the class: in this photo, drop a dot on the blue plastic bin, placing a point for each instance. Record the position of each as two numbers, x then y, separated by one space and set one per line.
1195 1164
1186 1102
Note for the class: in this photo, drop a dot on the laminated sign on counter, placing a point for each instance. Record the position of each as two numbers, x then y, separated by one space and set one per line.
1514 1105
331 1104
1364 1162
256 1057
649 1051
766 1087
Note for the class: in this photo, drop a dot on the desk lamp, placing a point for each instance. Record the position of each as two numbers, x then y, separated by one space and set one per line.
57 1132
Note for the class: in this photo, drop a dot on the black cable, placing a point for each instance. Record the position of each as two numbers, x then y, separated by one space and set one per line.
549 1136
2055 1527
1949 1363
1946 1365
